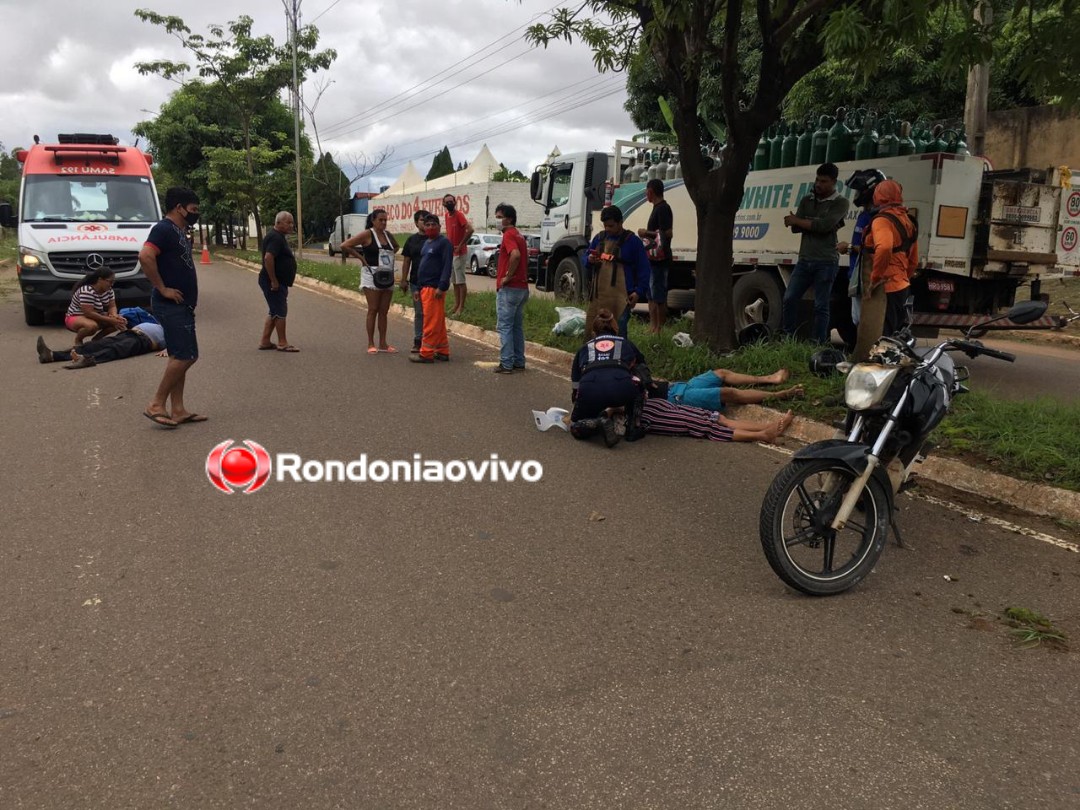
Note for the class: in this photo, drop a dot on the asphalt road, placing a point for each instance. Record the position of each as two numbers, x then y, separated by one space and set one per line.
474 645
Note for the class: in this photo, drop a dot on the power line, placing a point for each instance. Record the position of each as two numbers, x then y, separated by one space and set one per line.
442 132
324 11
421 103
545 112
391 102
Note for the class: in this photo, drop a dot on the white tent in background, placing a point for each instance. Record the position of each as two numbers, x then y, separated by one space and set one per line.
481 169
409 179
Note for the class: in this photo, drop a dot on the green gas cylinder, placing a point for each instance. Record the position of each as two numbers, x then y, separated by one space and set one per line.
907 145
761 154
920 136
888 144
937 142
839 145
776 145
866 146
961 147
819 144
802 152
790 147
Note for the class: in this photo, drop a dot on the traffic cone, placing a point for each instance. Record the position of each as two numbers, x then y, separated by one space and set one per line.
205 255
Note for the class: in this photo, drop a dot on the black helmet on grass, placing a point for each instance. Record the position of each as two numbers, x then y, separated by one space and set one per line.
823 363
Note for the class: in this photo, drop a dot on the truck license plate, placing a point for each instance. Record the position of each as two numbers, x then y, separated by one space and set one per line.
935 285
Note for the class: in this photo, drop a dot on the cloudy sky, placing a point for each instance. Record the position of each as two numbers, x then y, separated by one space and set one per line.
410 76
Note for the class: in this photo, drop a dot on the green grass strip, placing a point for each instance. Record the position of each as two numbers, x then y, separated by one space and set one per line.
1038 440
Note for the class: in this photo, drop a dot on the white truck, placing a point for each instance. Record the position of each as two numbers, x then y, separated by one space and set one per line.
981 234
85 203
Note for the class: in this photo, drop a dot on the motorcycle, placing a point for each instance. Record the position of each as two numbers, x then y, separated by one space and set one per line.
826 515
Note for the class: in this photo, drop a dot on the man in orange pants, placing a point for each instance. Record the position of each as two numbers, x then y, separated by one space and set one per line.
433 279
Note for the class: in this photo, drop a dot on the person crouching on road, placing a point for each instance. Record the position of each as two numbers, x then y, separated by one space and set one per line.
511 292
603 381
92 311
277 275
433 279
410 264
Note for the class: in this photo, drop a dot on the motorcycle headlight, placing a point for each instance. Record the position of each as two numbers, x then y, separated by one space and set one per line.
30 258
867 385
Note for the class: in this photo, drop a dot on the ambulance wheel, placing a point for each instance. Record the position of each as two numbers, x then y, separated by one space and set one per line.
757 298
32 315
568 279
330 250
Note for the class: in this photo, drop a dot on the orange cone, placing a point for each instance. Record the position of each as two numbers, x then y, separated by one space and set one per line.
205 255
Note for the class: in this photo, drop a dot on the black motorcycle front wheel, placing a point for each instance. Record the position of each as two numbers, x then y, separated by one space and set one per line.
796 534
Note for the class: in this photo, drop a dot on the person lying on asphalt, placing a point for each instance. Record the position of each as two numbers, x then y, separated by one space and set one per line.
663 418
142 338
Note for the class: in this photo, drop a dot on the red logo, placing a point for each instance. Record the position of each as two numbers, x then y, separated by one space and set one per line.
238 468
605 345
92 228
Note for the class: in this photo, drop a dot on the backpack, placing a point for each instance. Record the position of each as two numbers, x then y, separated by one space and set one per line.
907 240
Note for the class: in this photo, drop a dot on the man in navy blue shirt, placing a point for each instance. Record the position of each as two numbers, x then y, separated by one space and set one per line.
620 271
433 279
167 262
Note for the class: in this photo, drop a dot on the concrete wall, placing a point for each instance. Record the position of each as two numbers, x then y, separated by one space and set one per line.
476 200
1034 138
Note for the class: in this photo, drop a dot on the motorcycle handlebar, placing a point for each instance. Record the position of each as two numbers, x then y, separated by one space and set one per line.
973 348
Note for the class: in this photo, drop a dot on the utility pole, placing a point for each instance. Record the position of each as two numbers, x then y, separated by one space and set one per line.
978 90
294 20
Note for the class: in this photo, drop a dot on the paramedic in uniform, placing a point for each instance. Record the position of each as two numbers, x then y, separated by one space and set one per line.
602 380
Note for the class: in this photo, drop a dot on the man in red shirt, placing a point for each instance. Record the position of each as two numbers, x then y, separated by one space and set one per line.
511 292
458 231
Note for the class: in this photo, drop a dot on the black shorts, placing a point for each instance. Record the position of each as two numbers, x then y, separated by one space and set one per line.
276 300
178 322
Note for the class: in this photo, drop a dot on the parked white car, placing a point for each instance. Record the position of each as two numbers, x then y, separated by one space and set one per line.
480 248
345 227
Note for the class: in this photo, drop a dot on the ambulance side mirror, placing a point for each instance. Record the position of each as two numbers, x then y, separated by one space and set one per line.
7 216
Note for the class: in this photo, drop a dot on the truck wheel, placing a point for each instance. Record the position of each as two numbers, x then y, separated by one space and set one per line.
757 298
567 282
330 250
33 315
678 301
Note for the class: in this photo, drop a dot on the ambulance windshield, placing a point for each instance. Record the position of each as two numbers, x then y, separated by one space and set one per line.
56 198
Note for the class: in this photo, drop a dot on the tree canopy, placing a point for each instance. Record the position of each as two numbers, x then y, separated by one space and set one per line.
756 52
441 165
247 74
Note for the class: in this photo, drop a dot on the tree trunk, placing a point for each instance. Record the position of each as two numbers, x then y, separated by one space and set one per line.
714 319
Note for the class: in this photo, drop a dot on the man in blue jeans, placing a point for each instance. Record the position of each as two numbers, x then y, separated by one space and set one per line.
511 292
819 216
166 260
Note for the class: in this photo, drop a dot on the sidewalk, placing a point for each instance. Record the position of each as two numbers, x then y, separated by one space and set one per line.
1037 499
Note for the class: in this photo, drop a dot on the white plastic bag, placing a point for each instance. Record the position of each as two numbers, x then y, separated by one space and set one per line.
682 340
571 321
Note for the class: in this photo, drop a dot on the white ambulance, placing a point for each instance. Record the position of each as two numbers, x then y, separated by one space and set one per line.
84 203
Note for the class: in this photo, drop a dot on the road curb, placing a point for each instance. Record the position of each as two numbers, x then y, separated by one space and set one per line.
1037 499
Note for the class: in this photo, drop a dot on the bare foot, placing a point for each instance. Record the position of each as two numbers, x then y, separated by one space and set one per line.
795 392
778 378
785 422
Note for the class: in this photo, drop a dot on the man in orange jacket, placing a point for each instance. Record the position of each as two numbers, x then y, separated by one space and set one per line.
890 256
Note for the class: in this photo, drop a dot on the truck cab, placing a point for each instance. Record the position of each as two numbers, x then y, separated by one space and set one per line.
571 190
84 203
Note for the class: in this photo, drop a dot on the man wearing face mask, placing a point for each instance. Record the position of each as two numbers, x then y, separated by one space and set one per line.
458 231
167 262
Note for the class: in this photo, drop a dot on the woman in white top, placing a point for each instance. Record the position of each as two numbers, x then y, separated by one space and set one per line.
376 252
92 311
